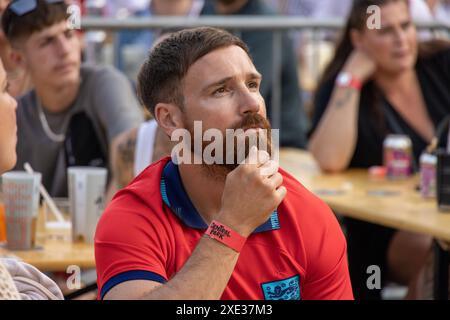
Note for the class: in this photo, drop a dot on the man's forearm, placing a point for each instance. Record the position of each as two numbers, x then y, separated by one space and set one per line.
204 276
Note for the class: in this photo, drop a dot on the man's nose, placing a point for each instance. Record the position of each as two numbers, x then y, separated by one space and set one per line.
63 46
249 101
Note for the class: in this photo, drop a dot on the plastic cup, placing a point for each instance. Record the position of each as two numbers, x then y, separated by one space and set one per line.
21 197
86 196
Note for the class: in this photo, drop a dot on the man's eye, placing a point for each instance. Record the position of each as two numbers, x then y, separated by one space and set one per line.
220 91
46 42
406 25
253 84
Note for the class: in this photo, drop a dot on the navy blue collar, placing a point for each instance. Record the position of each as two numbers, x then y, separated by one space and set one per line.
176 198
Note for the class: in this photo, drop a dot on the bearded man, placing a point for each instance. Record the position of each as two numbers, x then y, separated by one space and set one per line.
245 230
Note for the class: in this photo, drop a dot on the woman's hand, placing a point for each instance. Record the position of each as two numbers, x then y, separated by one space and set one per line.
360 65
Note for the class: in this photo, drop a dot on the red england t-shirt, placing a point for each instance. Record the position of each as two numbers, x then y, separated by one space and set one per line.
151 228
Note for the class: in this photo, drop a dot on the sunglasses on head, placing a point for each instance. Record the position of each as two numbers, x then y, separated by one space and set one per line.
22 7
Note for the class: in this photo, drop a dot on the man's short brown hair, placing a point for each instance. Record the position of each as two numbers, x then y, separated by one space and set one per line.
44 15
160 78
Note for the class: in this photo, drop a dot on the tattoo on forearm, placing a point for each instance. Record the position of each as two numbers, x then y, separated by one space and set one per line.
125 162
345 99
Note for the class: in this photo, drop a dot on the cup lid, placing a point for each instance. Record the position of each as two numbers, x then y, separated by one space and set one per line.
20 175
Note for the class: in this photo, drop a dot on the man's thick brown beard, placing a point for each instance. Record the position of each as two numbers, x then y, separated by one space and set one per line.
251 120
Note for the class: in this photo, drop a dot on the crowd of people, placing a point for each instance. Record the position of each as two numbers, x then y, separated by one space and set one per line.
57 111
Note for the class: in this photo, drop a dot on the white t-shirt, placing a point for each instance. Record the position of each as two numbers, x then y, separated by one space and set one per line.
145 142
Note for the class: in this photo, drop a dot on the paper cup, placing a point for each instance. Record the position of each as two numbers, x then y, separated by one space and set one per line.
21 197
86 196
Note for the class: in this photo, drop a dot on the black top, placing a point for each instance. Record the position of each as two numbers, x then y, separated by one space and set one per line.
434 76
294 122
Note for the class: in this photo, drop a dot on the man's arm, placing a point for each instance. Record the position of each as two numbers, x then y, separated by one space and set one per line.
204 276
208 270
123 150
122 161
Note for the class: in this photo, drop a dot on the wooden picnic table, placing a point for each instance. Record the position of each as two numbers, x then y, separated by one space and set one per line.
396 204
392 203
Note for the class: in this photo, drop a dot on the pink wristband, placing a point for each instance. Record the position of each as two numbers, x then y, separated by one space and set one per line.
226 235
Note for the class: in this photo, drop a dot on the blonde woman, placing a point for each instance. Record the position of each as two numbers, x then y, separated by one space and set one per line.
8 141
18 280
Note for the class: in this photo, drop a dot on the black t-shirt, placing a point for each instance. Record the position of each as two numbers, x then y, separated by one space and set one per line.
434 76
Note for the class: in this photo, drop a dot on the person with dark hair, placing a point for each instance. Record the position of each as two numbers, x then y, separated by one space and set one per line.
293 120
235 230
75 111
380 81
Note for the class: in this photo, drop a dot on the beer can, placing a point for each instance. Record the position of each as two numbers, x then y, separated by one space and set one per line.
397 151
428 164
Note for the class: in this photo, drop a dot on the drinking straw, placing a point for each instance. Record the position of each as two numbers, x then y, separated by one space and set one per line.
53 208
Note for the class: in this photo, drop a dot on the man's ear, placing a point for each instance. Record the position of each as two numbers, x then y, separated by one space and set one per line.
169 117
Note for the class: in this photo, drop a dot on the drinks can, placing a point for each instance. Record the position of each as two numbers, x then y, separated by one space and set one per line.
397 151
428 164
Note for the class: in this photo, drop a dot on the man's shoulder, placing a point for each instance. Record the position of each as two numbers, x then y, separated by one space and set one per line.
152 173
98 73
296 188
27 99
303 215
303 206
27 106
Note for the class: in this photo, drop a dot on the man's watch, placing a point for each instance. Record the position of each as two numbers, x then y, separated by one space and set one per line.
347 80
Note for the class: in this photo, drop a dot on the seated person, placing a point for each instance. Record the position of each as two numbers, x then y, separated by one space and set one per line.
151 243
17 280
380 81
8 126
75 111
31 284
